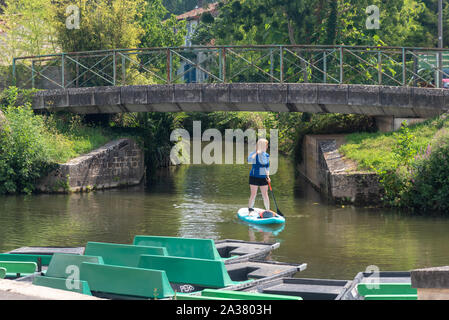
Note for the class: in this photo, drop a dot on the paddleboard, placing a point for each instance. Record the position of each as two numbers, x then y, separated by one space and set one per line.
254 217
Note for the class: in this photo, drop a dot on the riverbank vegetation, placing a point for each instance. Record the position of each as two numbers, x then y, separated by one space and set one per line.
31 143
412 163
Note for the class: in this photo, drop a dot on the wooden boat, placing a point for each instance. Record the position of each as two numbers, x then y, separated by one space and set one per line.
384 285
307 289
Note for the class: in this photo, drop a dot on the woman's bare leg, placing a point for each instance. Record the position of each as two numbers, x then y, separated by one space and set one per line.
252 198
266 198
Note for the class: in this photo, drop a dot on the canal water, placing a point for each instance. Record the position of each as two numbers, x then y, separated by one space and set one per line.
202 201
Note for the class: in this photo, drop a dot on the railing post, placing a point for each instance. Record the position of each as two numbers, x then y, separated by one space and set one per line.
438 79
271 64
404 68
220 64
63 70
281 61
379 67
415 69
123 69
14 79
114 68
169 66
33 84
324 66
223 64
304 64
341 65
77 67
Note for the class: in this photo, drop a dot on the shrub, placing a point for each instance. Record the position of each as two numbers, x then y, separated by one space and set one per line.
31 144
23 155
429 184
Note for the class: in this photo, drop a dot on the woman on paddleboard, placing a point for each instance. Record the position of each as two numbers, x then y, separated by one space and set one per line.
259 175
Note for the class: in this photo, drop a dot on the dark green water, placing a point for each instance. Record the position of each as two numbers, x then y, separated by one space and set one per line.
202 201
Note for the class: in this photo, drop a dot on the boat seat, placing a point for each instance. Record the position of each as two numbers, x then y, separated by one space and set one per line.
182 247
387 291
44 258
58 272
180 270
121 254
16 268
127 281
60 262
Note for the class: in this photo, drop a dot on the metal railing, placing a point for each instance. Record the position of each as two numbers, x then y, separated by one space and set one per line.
393 66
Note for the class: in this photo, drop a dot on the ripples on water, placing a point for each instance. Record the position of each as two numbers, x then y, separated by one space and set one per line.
202 201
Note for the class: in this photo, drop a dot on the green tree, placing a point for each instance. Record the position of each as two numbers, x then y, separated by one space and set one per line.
104 24
428 20
24 155
158 32
314 22
28 29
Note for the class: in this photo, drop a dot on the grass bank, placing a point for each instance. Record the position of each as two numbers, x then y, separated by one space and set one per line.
412 164
374 151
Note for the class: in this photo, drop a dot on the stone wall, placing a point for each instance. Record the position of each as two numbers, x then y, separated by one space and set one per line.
391 123
310 165
118 163
431 283
334 176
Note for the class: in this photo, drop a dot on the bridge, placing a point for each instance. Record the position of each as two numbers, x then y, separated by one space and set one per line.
378 81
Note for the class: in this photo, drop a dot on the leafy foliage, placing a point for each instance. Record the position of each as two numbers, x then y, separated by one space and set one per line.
23 155
29 29
411 164
314 22
104 25
428 189
31 144
404 151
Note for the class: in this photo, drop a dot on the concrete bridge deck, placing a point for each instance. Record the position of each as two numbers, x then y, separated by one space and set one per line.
406 102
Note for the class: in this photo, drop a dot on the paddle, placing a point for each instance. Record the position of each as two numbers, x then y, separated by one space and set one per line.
277 208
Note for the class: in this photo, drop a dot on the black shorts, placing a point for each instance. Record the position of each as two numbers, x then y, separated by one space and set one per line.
258 181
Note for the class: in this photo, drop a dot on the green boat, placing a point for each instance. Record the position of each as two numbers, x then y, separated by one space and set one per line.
229 250
384 285
158 267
